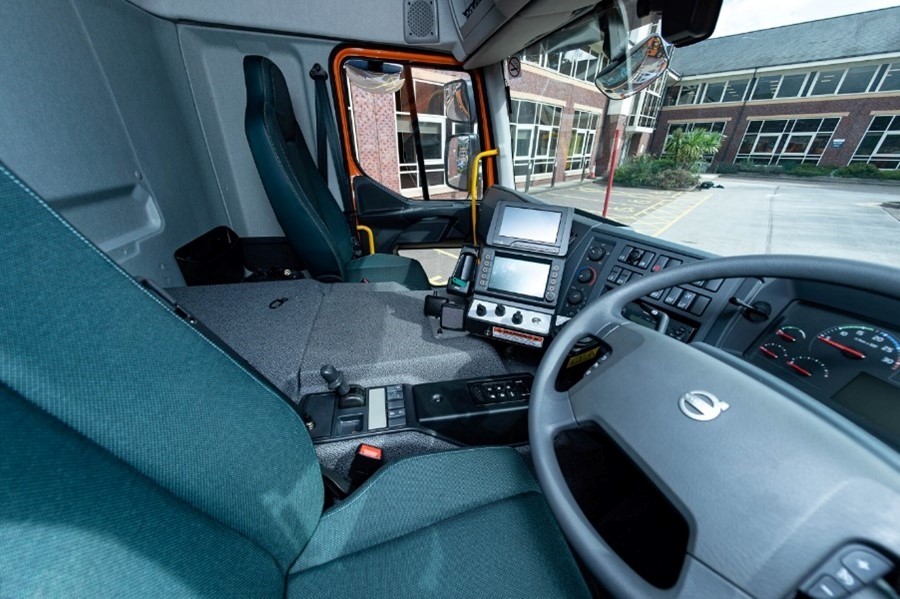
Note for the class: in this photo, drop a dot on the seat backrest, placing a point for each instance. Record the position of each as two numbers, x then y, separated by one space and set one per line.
303 204
142 405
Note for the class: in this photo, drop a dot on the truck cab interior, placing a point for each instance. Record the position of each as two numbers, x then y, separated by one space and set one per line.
219 377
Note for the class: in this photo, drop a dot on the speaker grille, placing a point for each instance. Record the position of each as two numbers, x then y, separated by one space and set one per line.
421 24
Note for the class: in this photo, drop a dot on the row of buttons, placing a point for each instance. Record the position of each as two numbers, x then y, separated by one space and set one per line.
492 392
683 299
396 406
847 572
644 258
620 276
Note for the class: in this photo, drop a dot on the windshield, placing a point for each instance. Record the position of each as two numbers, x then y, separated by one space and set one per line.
754 141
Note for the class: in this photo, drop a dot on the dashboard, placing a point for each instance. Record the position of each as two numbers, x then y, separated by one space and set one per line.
836 344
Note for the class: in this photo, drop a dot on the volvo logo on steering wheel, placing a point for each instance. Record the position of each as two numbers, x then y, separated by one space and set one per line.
701 405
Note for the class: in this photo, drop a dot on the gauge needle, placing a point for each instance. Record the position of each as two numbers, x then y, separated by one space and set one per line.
847 350
785 336
799 369
768 352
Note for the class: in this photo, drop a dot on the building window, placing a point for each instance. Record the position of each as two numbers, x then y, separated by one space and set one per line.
714 126
581 63
891 81
857 80
647 106
786 141
534 128
839 81
826 83
432 133
386 140
791 86
584 137
766 87
881 143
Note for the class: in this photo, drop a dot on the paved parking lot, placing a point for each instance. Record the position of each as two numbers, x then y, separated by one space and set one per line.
747 216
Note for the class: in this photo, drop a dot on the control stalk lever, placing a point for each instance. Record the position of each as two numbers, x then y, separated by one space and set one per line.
758 312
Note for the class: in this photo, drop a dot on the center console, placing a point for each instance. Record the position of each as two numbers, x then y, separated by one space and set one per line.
519 278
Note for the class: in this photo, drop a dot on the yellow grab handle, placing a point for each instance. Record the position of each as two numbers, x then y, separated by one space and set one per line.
371 235
473 182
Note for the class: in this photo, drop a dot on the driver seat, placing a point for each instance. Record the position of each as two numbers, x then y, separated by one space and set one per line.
139 459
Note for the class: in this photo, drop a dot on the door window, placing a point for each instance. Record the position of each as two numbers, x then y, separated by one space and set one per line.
400 137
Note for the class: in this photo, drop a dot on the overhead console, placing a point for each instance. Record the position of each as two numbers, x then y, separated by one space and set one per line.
519 277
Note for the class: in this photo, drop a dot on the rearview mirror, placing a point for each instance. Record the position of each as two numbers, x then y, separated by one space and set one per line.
459 101
635 70
461 151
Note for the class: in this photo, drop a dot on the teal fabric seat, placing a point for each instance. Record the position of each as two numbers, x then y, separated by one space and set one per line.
300 197
140 460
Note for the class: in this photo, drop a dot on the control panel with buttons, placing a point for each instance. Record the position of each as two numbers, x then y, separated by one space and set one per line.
605 262
490 392
847 571
586 275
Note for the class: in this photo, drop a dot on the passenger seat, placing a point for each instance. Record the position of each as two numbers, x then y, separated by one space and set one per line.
307 211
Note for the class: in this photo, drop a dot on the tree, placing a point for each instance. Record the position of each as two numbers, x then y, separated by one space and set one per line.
688 149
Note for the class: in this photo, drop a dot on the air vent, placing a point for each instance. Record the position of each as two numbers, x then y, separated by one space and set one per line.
420 19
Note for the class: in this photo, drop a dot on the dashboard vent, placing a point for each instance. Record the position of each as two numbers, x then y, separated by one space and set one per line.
421 23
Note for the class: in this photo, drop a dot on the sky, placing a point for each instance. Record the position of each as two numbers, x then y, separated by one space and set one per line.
739 16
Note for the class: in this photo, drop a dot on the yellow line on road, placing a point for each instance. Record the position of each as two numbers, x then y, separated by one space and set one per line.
680 216
649 208
448 254
437 280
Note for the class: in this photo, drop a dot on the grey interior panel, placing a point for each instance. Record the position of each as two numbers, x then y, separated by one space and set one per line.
376 333
214 62
375 22
82 83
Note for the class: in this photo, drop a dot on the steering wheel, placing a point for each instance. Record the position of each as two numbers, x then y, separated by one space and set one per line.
769 480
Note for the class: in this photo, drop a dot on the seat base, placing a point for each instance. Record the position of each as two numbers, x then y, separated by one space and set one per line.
467 523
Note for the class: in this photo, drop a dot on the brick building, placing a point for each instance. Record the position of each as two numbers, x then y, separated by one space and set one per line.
824 92
556 117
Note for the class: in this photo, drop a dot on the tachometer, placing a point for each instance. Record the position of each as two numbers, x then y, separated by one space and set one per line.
859 342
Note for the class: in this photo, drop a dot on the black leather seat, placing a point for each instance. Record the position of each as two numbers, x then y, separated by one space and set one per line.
305 208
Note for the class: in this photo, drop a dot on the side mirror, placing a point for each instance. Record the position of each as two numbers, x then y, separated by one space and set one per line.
632 72
461 151
459 101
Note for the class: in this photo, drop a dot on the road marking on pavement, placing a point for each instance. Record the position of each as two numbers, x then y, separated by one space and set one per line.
446 253
680 216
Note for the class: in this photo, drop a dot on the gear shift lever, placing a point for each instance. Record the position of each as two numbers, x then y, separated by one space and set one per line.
347 396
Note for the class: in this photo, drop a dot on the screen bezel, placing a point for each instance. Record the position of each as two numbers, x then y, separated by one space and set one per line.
560 245
517 257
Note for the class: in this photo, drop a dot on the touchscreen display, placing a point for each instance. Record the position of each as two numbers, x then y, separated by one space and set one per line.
540 226
524 277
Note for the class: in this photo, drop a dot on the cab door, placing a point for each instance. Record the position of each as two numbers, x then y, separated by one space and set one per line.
395 134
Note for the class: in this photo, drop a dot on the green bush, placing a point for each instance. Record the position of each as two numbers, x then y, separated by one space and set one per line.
890 175
859 170
675 178
659 173
808 170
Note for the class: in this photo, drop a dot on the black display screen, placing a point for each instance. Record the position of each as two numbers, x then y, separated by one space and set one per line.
874 400
522 277
539 226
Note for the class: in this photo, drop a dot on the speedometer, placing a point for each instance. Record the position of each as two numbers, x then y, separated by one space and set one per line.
859 342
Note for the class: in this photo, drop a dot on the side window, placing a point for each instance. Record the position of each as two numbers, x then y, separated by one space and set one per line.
400 132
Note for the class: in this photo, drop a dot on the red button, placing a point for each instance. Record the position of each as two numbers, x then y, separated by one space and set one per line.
369 451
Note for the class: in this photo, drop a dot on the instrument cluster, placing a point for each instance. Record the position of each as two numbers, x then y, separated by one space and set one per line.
851 365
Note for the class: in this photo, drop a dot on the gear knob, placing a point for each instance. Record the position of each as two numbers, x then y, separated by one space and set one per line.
335 380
